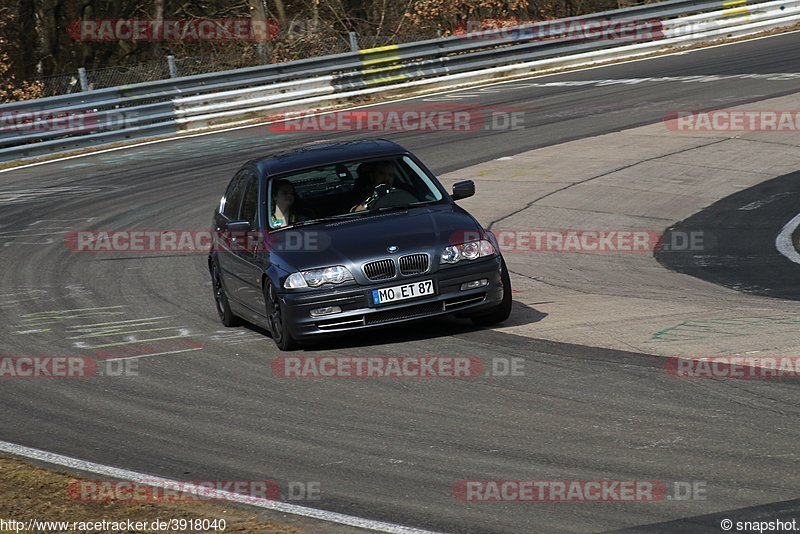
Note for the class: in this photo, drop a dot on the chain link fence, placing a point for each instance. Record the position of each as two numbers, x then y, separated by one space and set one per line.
250 56
144 72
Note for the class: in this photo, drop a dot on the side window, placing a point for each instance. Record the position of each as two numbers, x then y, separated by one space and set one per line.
233 197
249 210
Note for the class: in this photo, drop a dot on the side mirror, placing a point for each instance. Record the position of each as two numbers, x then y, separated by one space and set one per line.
238 226
239 237
463 189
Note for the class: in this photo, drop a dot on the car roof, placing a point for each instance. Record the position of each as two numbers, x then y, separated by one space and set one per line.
325 153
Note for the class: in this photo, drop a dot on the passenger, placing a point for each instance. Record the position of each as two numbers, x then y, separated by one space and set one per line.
283 201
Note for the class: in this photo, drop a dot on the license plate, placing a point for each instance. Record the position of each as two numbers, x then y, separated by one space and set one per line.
406 291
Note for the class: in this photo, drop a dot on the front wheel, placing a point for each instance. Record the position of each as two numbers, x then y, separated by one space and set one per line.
502 311
277 324
224 311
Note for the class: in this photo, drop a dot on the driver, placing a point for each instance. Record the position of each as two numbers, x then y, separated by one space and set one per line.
376 173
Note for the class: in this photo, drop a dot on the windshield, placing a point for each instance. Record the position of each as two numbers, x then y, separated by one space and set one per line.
348 189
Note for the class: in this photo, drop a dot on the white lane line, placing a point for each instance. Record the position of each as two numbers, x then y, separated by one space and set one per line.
149 480
148 355
784 240
774 77
763 202
479 86
136 322
73 310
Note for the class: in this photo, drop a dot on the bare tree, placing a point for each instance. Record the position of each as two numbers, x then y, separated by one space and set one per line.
259 12
158 19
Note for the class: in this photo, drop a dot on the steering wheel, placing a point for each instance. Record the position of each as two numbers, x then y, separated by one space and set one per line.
396 197
381 190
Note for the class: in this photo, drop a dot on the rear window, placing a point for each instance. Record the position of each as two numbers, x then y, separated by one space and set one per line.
229 206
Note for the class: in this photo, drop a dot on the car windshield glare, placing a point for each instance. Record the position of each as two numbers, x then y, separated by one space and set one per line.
348 189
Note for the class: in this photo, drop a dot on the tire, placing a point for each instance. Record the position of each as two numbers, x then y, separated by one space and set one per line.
502 311
277 326
224 311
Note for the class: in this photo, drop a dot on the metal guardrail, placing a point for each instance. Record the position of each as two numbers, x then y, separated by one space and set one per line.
153 109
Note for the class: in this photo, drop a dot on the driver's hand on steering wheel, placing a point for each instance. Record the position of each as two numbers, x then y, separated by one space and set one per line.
379 191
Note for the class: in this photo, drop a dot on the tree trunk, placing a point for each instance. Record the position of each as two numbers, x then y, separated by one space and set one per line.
25 64
50 33
258 12
158 17
281 11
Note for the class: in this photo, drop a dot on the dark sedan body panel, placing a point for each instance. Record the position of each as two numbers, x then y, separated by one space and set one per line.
422 229
358 310
389 261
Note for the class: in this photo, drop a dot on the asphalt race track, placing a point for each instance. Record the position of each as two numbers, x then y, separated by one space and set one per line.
206 406
742 254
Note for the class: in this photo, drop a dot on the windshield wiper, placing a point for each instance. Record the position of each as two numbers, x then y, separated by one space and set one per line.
389 208
406 207
321 220
353 215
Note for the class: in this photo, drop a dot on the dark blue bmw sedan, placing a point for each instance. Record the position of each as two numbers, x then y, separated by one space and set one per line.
332 238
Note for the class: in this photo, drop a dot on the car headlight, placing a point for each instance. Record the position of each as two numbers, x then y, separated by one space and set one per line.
467 251
316 277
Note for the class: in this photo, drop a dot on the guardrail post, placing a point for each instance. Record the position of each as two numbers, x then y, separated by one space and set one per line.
353 41
173 69
83 78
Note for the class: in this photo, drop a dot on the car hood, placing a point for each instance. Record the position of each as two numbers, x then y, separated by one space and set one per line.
351 242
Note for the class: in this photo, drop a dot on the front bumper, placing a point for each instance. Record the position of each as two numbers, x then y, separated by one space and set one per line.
359 312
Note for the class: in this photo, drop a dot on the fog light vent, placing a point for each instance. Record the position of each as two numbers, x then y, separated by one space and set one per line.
319 312
474 284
